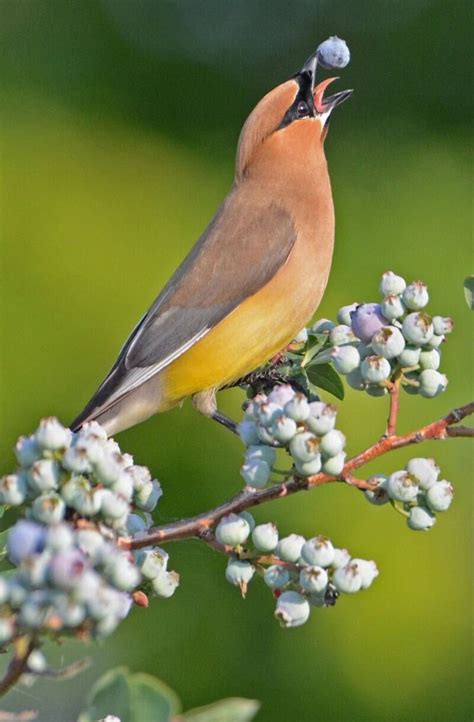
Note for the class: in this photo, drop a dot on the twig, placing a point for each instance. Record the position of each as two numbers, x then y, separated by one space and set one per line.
394 391
197 526
18 664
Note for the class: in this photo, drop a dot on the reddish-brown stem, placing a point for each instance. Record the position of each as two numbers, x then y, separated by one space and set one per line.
394 392
18 664
198 525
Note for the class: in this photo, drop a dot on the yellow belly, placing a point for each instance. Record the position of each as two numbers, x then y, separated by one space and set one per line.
258 329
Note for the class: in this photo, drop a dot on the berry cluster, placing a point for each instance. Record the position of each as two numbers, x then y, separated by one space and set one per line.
377 343
414 491
287 419
70 575
302 573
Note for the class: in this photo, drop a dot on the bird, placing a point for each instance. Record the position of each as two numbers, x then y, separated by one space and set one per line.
253 279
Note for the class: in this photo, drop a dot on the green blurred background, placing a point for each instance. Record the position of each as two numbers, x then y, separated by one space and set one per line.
119 125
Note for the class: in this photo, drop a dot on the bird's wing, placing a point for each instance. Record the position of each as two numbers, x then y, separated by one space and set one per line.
240 251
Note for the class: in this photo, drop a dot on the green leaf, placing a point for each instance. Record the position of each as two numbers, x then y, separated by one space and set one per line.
234 709
131 698
469 291
324 377
2 510
314 344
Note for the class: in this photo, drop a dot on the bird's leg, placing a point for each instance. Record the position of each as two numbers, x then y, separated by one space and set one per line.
205 402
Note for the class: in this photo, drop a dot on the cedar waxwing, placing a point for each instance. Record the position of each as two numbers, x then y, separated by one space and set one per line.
254 278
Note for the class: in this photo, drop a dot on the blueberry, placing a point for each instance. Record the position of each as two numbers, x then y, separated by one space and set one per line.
276 576
265 537
333 53
391 284
292 609
366 320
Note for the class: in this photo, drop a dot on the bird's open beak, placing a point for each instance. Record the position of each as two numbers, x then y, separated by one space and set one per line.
326 105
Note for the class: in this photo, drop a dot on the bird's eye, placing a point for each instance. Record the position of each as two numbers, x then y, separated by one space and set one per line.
302 109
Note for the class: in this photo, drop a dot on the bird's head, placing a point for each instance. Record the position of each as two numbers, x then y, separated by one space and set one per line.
293 117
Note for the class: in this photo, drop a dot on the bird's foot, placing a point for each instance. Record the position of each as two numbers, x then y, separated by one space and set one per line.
225 421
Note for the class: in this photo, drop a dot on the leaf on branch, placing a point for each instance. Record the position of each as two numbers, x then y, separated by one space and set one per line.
469 291
314 345
324 377
131 698
234 709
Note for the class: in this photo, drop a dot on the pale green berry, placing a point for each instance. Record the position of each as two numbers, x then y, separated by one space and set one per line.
269 412
392 307
43 476
309 468
323 325
341 558
124 486
265 435
59 537
37 662
281 394
7 630
355 380
334 464
13 489
379 495
345 358
420 519
304 447
313 579
430 359
424 471
255 473
435 341
91 543
367 570
113 506
375 369
276 576
409 356
332 443
52 435
248 518
152 562
248 432
76 459
344 313
364 349
298 408
48 509
239 573
284 429
302 336
392 284
122 573
432 383
333 53
289 548
232 530
147 498
402 487
27 450
322 418
415 296
388 342
261 453
442 325
318 551
376 391
347 579
341 335
265 537
88 502
440 496
292 609
418 328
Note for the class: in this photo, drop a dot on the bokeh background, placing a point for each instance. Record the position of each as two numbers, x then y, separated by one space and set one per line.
119 125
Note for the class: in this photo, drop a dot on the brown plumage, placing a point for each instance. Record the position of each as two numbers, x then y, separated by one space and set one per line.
252 280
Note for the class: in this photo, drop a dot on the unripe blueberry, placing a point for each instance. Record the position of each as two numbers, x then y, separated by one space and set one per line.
420 519
13 489
375 369
322 417
402 487
409 356
232 530
59 537
165 584
298 408
356 381
71 613
364 349
136 524
379 495
323 325
432 383
140 476
25 539
7 629
239 573
341 558
91 543
391 284
442 325
334 464
265 537
430 359
37 662
43 476
66 567
347 579
313 579
147 498
417 328
72 487
88 502
269 412
318 551
248 518
367 570
301 337
124 487
75 459
284 429
415 296
27 450
122 573
289 548
366 320
252 406
309 468
392 307
440 496
248 432
276 576
341 335
32 614
113 506
332 443
388 342
92 429
333 53
304 447
424 471
48 508
344 313
292 609
52 435
3 590
17 592
261 453
345 358
264 435
281 394
435 341
152 562
255 473
376 391
109 468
